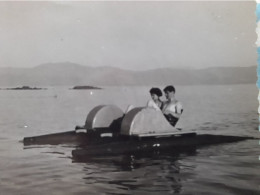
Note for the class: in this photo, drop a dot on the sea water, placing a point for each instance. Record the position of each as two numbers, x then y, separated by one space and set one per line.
232 168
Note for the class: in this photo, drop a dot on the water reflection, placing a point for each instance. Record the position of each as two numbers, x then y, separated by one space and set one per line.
154 172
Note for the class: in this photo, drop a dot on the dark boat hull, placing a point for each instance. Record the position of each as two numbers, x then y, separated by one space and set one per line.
70 137
151 144
56 138
92 144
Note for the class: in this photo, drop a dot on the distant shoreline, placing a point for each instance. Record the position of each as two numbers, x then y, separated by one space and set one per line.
69 74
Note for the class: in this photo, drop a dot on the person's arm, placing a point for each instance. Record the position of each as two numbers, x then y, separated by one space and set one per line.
171 110
179 108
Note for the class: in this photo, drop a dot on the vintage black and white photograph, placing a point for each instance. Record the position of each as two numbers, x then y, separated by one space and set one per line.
129 97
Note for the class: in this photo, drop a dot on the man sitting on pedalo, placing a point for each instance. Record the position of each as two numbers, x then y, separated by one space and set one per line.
172 108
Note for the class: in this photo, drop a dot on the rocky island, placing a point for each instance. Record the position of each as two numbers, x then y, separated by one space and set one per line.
85 87
25 88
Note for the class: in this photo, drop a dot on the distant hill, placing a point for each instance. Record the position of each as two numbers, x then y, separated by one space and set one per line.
70 74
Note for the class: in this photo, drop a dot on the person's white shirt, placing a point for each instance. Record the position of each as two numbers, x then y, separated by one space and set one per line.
152 104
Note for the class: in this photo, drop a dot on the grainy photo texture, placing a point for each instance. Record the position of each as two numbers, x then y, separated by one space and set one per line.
129 97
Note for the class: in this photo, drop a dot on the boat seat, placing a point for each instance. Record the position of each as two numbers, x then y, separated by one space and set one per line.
146 122
103 116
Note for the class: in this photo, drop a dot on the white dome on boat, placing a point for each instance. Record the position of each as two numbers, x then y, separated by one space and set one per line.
103 116
146 122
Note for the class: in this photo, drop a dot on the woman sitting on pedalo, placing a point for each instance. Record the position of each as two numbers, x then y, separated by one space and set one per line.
155 102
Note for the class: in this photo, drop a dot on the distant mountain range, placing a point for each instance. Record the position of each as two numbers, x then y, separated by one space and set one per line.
71 74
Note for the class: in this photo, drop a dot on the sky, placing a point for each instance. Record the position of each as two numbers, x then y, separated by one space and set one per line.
129 35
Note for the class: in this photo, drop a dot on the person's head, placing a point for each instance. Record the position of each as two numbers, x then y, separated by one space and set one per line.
169 91
156 93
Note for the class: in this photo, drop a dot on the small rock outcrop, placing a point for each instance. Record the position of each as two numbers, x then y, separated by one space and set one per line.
86 87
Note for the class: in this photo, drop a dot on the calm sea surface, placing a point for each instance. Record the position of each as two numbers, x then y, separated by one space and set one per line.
49 169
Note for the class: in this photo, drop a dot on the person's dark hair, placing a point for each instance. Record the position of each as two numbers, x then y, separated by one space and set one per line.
156 91
169 88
